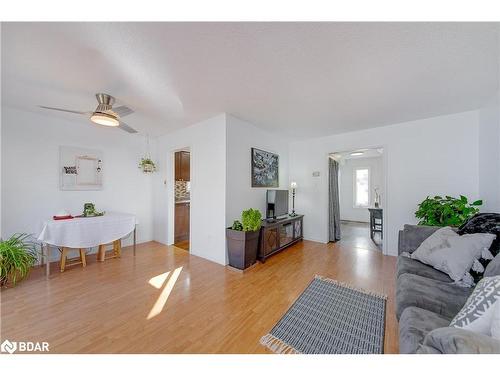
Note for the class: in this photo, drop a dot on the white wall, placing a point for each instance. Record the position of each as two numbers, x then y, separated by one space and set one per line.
1 190
30 172
489 154
346 187
207 143
425 157
220 180
241 137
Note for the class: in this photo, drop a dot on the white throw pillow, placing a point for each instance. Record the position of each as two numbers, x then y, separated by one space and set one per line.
495 322
479 311
447 251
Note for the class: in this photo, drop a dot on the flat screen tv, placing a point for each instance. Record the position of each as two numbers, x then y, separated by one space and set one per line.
276 203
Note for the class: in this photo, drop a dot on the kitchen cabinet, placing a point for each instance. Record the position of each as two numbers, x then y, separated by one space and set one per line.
182 166
181 224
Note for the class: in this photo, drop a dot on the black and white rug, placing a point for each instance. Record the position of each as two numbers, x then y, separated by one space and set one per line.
330 317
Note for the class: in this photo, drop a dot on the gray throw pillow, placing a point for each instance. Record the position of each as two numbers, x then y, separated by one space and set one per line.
493 267
447 251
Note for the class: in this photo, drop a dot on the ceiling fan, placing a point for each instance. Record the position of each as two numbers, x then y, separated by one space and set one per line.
104 114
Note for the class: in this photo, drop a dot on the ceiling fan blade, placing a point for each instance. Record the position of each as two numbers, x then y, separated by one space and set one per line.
127 128
123 110
65 110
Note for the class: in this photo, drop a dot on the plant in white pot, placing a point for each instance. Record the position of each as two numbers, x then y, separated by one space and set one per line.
147 165
243 239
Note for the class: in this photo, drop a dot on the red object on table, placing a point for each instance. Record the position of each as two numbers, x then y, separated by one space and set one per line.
62 217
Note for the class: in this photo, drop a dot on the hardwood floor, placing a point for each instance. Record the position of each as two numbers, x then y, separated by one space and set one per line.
183 245
117 306
356 234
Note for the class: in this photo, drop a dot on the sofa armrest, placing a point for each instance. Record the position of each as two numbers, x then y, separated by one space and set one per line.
412 236
451 340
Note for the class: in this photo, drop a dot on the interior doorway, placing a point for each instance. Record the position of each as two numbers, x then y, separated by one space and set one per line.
182 194
357 198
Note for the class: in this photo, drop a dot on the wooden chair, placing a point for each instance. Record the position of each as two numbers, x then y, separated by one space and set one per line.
117 251
64 256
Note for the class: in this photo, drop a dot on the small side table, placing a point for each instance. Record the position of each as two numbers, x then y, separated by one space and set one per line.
376 222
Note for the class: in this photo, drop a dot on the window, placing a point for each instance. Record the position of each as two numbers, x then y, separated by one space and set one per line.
361 187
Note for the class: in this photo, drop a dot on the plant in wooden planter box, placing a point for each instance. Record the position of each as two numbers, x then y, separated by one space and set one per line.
17 256
243 239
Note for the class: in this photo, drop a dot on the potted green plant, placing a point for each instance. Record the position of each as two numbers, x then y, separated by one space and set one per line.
243 239
447 211
147 165
17 256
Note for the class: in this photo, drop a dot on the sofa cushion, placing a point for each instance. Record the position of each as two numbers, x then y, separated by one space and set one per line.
408 265
451 340
414 325
412 236
437 296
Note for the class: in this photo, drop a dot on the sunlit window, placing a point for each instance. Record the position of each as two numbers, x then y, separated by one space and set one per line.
361 187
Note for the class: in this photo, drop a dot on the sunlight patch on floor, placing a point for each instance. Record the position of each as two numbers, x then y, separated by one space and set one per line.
165 293
159 280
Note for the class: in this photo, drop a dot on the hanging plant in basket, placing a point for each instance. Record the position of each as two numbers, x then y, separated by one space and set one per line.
147 165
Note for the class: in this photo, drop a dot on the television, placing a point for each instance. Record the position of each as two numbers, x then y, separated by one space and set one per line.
276 203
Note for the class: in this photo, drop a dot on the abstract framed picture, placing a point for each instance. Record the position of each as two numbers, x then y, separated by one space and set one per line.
265 168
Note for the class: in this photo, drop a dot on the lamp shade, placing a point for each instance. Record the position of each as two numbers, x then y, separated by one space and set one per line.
293 185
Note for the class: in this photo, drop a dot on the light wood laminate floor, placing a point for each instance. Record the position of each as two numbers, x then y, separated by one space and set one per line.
165 300
357 235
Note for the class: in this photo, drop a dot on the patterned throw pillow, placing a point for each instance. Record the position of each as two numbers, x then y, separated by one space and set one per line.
453 254
479 310
483 223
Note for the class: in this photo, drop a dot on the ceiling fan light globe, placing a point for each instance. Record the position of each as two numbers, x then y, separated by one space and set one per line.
103 119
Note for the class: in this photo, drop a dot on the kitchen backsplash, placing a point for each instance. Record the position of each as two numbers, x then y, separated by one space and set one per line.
182 190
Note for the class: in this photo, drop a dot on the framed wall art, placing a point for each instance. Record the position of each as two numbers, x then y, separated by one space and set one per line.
80 168
265 168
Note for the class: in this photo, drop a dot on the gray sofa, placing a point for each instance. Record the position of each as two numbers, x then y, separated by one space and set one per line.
427 300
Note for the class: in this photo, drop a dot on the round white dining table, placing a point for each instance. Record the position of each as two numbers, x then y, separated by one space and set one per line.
86 232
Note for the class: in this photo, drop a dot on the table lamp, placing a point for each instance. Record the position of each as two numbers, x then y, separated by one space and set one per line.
293 186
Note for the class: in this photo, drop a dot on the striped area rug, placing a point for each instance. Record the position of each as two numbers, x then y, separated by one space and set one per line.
330 317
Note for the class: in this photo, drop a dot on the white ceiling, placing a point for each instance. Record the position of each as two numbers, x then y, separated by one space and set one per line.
304 79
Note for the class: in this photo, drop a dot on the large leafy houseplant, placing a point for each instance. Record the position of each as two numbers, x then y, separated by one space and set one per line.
17 256
251 220
447 211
